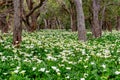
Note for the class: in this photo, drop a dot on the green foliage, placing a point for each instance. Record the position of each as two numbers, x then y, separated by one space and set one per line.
58 55
52 8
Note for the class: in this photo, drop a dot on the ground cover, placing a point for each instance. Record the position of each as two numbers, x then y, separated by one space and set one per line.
58 55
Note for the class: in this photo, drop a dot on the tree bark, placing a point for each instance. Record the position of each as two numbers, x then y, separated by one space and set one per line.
118 23
3 24
30 19
103 16
80 21
71 12
73 16
17 31
73 19
45 22
96 28
109 26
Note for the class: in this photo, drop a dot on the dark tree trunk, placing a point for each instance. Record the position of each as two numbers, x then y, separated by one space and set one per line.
73 22
80 20
3 24
30 19
109 26
104 25
17 31
45 22
102 16
60 24
73 17
72 13
49 23
33 25
96 28
53 23
57 23
118 23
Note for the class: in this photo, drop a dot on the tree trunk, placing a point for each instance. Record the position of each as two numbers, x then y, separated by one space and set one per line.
109 26
73 22
80 20
3 24
49 23
104 25
118 23
96 28
33 25
102 16
73 18
17 31
45 22
30 19
60 24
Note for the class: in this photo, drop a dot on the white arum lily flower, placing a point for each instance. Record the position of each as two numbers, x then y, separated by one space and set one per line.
34 68
16 71
42 69
117 72
104 66
82 78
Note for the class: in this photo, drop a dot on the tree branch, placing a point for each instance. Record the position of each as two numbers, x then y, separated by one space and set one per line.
36 7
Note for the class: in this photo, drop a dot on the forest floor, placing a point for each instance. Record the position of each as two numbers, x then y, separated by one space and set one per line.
58 55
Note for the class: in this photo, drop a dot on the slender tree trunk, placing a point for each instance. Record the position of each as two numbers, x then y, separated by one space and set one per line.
104 26
118 24
33 21
57 23
3 24
17 31
96 28
60 24
30 19
33 25
45 22
103 16
109 26
80 20
73 23
49 23
73 18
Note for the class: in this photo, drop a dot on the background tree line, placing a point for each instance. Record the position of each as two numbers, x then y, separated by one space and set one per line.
76 15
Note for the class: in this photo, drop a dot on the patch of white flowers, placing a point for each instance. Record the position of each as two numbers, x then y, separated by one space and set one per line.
42 69
55 68
117 72
53 51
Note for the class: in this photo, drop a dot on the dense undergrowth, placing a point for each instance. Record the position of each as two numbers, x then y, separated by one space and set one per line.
58 55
